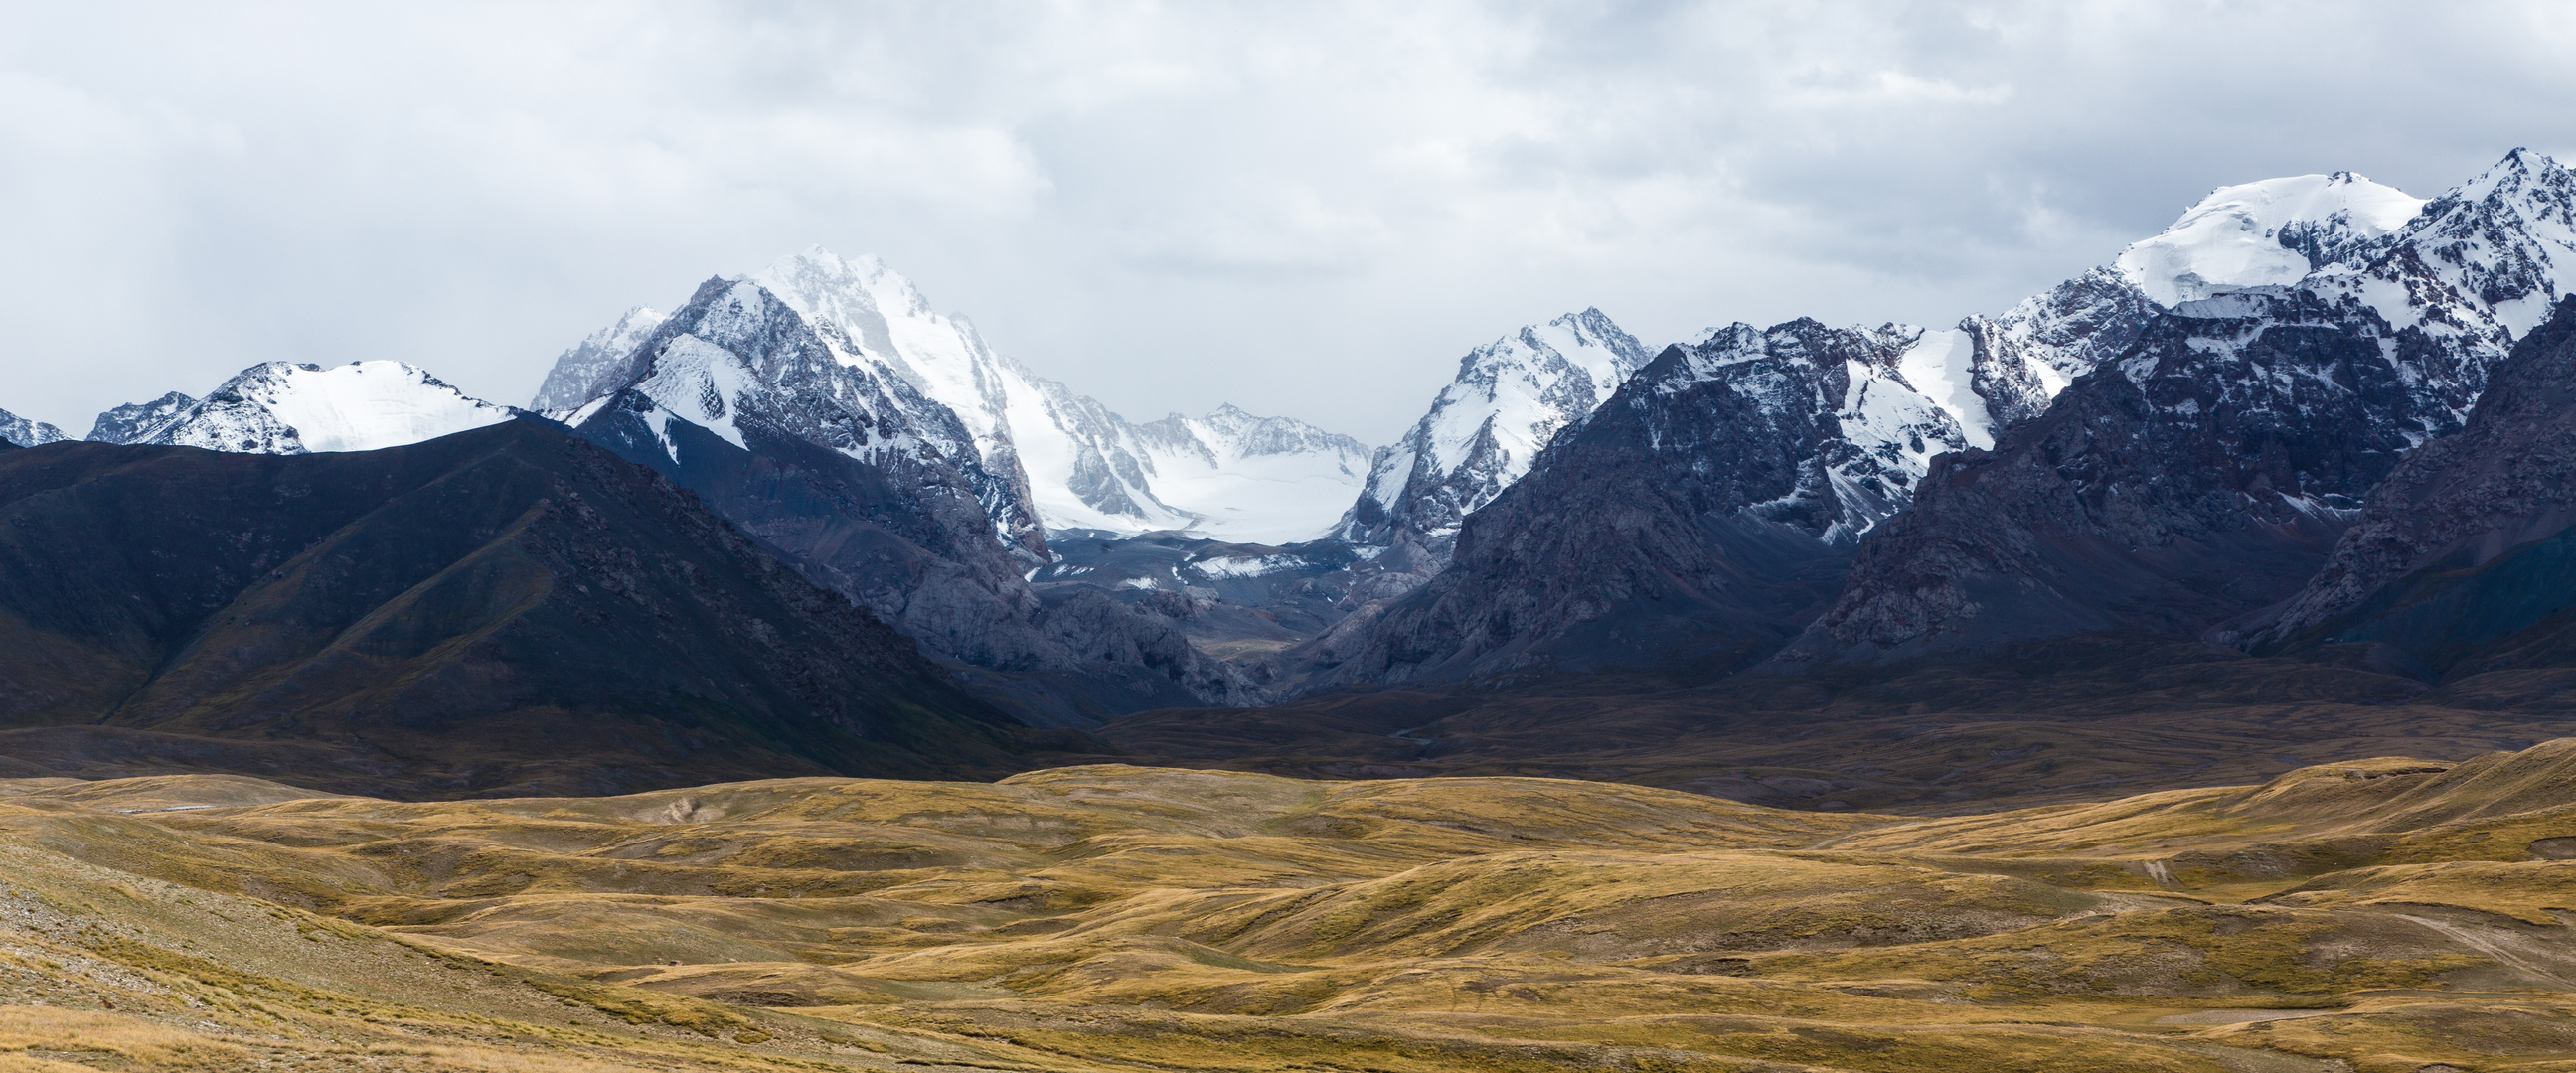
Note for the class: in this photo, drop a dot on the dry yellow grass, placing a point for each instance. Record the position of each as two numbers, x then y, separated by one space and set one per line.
2390 914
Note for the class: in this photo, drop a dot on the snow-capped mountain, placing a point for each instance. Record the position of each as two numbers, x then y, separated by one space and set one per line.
285 408
1483 430
1513 395
743 357
135 421
1946 390
26 433
1871 405
584 372
2205 472
784 426
1714 497
1068 458
1705 499
2268 233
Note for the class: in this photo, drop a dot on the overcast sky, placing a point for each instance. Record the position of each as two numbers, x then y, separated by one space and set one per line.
1310 209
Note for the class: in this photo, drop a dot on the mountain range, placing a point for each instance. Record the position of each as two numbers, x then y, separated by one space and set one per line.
2172 443
2093 459
2168 672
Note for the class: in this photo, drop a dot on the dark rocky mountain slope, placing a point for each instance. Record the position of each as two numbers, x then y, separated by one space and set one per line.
2465 561
1692 519
2167 497
504 610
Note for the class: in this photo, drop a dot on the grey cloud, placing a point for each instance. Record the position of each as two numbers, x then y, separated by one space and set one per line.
1308 209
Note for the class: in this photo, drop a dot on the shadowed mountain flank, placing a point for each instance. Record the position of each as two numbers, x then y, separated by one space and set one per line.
2463 564
2076 719
2189 486
503 609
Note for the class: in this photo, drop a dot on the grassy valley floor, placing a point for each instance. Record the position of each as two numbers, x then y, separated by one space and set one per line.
2387 914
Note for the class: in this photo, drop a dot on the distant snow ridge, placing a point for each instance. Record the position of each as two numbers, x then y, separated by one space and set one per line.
585 372
1229 475
1510 398
286 408
135 422
26 433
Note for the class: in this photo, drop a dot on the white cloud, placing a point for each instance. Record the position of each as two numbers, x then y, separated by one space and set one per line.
1305 208
1899 85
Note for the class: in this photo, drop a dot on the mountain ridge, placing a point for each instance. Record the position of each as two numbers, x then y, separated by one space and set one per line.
2265 414
498 609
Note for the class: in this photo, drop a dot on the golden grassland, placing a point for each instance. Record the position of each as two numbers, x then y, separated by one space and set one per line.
2386 914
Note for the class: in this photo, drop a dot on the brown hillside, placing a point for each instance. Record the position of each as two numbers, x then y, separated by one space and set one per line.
2389 914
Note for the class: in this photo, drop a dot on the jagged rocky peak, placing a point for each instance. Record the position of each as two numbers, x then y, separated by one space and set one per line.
868 312
1871 406
2505 240
2268 233
2204 473
286 408
588 369
1047 456
1699 516
138 421
874 317
26 433
1482 432
863 297
737 353
790 425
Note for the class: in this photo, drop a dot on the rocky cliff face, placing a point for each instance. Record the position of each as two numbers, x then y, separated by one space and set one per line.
25 433
1049 459
2203 473
2462 560
2167 441
591 367
2168 496
1698 517
1484 430
138 421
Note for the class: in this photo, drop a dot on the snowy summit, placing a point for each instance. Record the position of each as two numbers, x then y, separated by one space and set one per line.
2268 233
285 408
